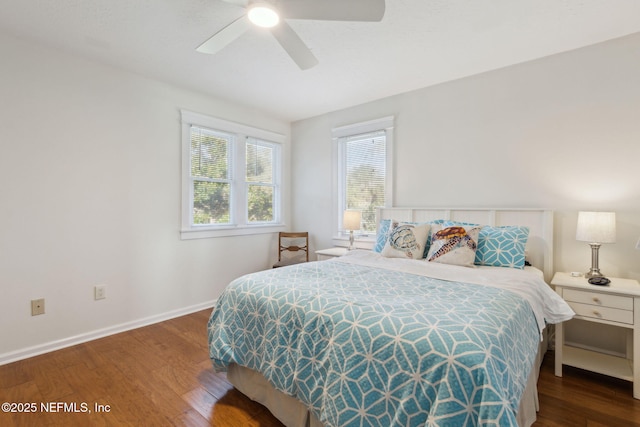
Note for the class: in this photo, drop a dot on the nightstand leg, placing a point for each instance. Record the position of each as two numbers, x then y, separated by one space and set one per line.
636 348
559 342
559 348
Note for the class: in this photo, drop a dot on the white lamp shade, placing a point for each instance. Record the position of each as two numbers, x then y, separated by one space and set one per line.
596 227
351 220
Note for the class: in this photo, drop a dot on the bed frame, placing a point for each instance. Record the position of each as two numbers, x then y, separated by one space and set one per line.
539 252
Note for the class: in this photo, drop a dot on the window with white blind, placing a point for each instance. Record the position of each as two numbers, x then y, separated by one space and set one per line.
262 192
211 173
231 178
364 171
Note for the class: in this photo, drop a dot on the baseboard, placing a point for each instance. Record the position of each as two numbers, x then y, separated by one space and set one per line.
100 333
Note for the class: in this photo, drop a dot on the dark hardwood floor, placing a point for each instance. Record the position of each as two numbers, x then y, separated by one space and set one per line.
160 375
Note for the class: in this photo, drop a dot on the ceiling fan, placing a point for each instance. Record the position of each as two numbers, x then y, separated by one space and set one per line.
274 13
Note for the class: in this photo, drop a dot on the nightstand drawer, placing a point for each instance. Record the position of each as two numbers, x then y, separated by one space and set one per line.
598 299
602 313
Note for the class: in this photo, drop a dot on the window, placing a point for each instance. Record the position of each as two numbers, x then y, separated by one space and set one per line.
262 191
364 171
211 171
231 178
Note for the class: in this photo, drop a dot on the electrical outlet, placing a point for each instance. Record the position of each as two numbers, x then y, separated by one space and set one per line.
37 306
100 292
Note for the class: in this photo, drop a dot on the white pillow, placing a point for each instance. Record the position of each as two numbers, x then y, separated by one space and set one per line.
454 245
406 240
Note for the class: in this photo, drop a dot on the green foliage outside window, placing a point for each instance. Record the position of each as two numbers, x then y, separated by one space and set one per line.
365 192
365 161
210 162
260 204
212 179
260 192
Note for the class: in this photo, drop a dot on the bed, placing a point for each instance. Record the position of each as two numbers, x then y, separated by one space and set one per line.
386 339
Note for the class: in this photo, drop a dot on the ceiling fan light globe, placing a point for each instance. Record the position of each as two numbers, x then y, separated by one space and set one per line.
263 15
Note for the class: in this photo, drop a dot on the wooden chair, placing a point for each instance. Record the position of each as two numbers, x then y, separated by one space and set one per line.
292 243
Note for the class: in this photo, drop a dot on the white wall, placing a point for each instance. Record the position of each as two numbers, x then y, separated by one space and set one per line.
90 194
561 133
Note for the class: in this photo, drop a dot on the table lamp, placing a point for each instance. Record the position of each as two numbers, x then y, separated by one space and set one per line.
351 221
596 228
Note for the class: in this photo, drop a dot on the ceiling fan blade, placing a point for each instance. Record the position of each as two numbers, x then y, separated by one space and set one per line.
225 36
294 46
333 10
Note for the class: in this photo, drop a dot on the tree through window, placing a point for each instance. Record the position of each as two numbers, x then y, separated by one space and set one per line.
364 170
211 176
365 164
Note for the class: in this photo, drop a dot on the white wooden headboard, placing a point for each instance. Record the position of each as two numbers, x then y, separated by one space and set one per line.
539 250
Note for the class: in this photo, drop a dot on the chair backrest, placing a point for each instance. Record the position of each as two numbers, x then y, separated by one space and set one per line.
293 242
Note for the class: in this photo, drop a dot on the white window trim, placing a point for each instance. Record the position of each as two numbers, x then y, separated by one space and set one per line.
385 124
239 204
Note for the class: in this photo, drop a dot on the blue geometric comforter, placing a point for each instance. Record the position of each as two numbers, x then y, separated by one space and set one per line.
363 346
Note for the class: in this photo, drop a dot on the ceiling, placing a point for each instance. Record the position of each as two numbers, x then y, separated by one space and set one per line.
418 43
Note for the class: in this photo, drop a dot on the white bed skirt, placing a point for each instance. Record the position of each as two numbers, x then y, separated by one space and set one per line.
292 413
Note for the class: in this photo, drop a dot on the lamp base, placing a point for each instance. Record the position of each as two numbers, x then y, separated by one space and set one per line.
351 240
594 271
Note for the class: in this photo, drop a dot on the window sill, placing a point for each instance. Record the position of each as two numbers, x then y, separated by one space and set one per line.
226 231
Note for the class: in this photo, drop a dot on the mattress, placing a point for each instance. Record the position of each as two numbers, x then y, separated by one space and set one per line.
368 340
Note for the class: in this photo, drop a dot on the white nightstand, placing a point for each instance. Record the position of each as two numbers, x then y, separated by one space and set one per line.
325 254
617 305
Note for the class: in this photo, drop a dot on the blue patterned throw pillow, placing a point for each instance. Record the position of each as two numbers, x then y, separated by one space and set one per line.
500 246
383 235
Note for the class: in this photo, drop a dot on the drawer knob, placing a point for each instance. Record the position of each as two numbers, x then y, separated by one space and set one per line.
597 313
597 300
